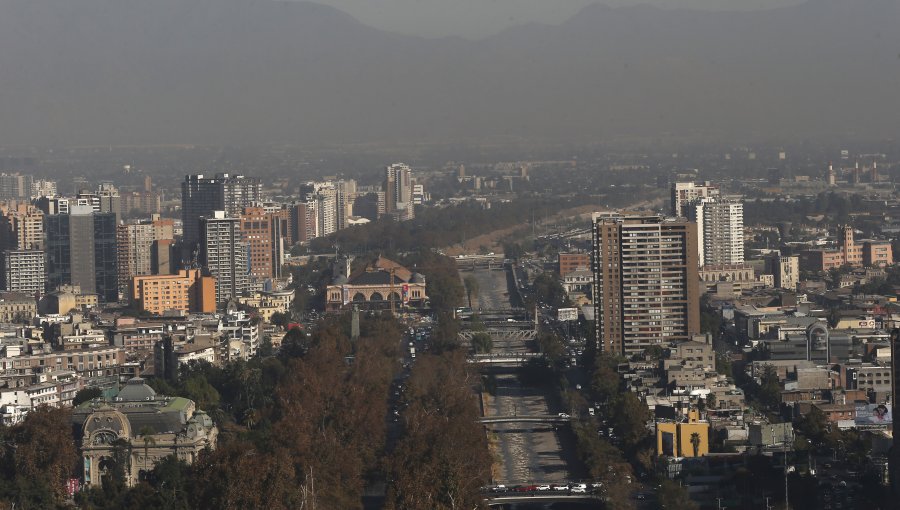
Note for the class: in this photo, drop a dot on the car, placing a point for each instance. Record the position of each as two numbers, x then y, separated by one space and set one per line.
563 415
544 487
578 490
578 486
499 488
560 487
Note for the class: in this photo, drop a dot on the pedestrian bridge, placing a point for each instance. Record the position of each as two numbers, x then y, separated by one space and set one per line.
504 358
548 418
539 497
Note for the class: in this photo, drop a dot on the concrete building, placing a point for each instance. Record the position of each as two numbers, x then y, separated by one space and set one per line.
21 228
187 292
849 252
377 286
261 232
16 307
140 428
23 271
200 196
568 262
720 230
43 188
646 285
304 224
15 186
785 269
683 439
683 193
135 241
81 250
325 197
398 191
224 254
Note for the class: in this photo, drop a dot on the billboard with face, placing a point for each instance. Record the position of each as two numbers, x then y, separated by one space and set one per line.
873 414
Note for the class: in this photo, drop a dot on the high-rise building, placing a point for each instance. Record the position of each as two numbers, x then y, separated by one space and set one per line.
683 193
256 229
646 284
304 222
398 190
81 250
785 269
23 271
224 254
325 196
21 228
43 188
345 194
200 196
135 241
720 230
15 186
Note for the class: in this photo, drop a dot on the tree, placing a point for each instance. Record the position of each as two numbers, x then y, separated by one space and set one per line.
85 395
674 497
629 417
482 343
45 452
280 319
695 443
471 284
711 401
146 434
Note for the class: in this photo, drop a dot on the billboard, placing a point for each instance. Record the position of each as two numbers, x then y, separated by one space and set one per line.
873 414
567 314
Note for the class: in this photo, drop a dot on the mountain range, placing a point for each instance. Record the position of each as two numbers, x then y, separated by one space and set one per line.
99 72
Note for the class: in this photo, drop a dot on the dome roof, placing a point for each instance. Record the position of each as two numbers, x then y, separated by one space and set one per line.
416 278
339 280
136 390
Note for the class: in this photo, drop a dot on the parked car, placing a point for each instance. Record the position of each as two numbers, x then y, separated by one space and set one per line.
544 487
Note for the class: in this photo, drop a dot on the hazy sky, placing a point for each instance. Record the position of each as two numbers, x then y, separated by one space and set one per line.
479 18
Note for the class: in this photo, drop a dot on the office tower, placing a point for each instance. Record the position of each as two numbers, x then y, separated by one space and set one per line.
683 193
43 188
370 205
200 196
223 253
257 231
324 195
345 194
398 188
52 205
15 186
304 222
23 271
135 247
785 269
21 228
646 284
81 250
720 230
110 200
163 259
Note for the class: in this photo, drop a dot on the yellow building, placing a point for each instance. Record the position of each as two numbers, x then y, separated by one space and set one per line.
688 439
187 291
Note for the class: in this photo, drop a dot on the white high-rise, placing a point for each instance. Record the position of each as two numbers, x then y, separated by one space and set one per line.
684 193
398 191
720 228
